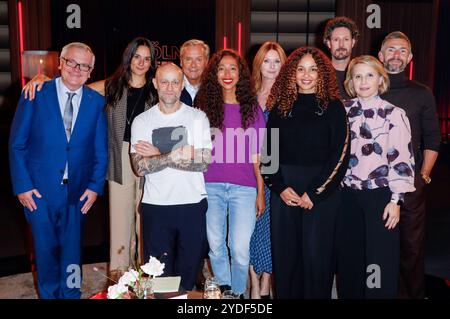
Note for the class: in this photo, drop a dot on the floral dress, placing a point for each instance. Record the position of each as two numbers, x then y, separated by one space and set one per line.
260 245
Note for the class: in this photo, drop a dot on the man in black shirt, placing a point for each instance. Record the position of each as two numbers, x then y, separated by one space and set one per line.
419 103
340 37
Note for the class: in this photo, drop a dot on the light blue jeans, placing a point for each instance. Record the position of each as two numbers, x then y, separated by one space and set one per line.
236 204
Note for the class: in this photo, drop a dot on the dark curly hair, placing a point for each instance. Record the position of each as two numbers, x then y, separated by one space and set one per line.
209 98
339 22
284 91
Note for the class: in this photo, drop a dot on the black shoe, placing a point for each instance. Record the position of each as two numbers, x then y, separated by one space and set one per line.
200 280
224 287
199 286
265 296
241 297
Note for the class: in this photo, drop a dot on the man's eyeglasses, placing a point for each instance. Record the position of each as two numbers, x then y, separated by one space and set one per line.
73 64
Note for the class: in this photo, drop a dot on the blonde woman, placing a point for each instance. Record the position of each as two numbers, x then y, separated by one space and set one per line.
380 172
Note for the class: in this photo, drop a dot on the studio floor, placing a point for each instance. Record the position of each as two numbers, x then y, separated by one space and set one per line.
16 279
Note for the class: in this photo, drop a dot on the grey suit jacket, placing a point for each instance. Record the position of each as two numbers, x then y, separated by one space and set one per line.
116 128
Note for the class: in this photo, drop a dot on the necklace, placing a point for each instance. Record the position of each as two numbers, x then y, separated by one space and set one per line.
134 107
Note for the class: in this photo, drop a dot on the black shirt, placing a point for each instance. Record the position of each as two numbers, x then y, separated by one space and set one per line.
418 102
340 79
311 136
135 105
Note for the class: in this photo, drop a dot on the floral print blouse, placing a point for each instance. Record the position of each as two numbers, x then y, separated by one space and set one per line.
381 150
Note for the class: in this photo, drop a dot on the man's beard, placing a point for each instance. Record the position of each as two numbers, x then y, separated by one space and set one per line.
341 54
394 69
169 101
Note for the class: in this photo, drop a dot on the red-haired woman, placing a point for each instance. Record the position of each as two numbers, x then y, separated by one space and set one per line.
306 165
233 181
266 67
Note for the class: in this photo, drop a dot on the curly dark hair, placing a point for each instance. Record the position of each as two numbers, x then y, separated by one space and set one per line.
209 98
284 91
339 22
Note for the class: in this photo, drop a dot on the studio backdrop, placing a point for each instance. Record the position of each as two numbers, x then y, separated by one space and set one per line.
108 25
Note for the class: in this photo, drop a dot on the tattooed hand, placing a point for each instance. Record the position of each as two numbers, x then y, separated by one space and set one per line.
182 154
146 149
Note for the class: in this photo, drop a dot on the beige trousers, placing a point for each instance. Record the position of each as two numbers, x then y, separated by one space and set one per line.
124 217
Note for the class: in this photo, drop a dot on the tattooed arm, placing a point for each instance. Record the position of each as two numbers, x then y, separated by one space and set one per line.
197 161
184 158
144 165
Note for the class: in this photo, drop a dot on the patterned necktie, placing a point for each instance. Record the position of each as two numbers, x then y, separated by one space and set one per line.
68 115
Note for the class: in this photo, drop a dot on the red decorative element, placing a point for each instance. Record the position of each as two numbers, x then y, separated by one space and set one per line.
19 9
100 295
224 42
411 69
239 37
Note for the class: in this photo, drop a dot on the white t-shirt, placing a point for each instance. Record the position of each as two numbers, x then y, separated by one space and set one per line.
172 186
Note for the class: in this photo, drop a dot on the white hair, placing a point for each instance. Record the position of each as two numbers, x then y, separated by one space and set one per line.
80 46
193 42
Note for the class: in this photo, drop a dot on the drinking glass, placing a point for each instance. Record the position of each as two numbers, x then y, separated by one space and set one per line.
212 289
230 294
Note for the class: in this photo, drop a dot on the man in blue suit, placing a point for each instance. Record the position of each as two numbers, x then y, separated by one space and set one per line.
58 157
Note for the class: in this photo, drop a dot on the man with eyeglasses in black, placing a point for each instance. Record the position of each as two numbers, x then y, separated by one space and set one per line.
58 155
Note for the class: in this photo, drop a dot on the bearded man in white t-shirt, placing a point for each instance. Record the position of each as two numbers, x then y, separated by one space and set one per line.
171 147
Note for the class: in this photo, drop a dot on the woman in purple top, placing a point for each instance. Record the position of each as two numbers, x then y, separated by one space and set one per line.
380 172
233 181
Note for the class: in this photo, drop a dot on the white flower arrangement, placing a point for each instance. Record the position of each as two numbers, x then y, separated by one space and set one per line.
137 284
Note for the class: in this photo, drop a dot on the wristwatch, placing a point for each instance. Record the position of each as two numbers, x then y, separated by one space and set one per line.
397 201
426 178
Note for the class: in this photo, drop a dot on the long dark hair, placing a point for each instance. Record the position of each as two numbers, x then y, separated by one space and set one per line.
210 98
121 77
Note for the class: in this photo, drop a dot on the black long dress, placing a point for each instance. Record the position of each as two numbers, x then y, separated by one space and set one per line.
313 155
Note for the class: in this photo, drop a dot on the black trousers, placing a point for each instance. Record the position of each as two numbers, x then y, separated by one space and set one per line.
368 253
412 242
180 232
303 253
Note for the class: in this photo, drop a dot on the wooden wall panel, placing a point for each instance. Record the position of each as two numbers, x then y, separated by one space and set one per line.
36 29
228 14
37 24
417 19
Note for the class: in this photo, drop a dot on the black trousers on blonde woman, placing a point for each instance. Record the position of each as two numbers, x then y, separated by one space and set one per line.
367 250
303 249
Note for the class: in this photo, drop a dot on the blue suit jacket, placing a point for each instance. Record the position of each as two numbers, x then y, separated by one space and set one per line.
186 98
38 147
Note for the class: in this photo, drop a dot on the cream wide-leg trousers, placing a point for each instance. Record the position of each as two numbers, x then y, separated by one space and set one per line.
124 217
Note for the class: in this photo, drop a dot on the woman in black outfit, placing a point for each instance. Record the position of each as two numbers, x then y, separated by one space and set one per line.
312 152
